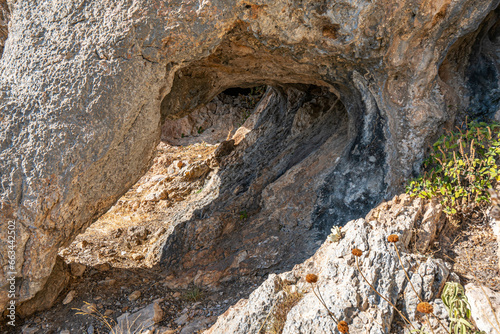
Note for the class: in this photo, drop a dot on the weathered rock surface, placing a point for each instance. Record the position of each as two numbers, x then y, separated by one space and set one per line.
485 315
84 87
139 321
342 287
267 195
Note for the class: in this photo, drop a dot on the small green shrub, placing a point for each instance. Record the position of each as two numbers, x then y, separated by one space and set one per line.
193 294
463 165
458 307
243 214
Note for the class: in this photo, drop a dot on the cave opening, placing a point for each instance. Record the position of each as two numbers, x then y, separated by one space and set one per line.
228 154
248 178
259 156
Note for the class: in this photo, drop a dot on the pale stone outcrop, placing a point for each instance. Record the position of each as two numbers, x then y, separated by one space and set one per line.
341 285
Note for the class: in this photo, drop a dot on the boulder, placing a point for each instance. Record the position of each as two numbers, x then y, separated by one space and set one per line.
84 88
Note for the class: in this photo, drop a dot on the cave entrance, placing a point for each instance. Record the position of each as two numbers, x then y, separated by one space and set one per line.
256 151
243 185
127 235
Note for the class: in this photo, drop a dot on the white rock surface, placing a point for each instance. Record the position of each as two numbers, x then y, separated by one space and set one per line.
486 318
345 292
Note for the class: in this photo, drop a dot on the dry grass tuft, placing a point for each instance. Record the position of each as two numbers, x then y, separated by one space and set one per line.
291 297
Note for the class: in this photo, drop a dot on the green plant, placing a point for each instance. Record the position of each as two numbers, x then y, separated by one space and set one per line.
200 130
458 307
193 294
460 169
243 214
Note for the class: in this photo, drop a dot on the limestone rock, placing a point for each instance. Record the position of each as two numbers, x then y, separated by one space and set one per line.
428 282
59 278
140 320
77 269
196 171
69 297
134 296
432 222
84 90
486 318
345 292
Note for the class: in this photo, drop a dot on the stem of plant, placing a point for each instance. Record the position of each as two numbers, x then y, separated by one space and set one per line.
414 290
387 300
429 322
320 298
406 273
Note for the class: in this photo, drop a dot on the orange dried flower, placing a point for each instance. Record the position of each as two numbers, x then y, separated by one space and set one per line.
357 252
311 278
425 307
393 238
343 327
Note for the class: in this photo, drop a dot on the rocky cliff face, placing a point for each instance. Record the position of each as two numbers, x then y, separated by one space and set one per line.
85 87
4 22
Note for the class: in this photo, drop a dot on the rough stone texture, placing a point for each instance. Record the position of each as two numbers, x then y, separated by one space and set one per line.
84 87
139 321
342 287
432 223
214 122
267 198
44 298
486 318
4 23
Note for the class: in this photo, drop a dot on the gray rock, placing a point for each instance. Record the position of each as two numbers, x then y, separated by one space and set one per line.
139 321
342 287
196 325
69 297
29 330
486 318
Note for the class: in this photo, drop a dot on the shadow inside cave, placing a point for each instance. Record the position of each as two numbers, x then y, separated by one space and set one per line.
293 167
299 171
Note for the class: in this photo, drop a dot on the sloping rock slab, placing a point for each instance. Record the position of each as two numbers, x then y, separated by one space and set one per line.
345 292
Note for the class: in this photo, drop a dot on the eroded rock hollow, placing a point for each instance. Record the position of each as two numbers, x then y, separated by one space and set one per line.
358 91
